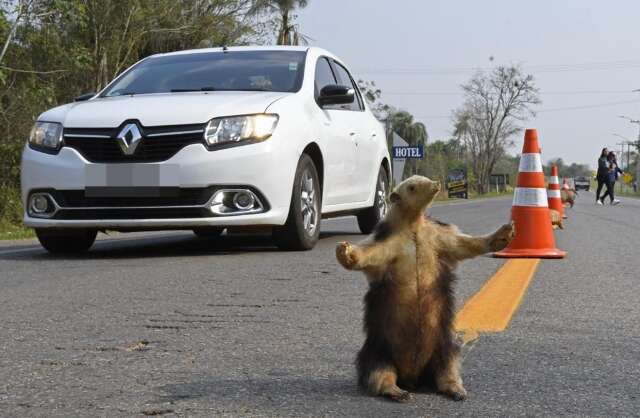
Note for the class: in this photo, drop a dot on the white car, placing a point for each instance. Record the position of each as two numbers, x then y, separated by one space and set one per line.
205 140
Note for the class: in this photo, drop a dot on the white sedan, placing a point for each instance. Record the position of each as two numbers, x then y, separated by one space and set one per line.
206 140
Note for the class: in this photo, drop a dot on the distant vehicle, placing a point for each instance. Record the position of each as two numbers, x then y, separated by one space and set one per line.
205 140
581 183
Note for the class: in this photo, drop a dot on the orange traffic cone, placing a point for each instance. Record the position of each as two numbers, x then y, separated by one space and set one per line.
530 211
553 194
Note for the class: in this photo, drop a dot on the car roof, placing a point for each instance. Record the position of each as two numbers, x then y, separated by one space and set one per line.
316 50
237 48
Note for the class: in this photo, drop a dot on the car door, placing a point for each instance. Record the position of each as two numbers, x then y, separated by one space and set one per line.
339 145
362 131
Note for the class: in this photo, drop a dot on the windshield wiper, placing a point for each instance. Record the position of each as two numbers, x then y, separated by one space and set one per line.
247 89
205 88
120 92
211 88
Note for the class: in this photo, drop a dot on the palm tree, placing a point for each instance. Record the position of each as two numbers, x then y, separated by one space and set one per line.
289 33
415 133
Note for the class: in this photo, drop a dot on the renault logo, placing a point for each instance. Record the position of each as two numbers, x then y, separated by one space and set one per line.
129 138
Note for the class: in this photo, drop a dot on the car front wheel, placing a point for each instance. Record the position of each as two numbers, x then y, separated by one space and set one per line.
369 218
302 228
66 241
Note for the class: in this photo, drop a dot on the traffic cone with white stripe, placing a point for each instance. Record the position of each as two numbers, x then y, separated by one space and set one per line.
530 211
553 194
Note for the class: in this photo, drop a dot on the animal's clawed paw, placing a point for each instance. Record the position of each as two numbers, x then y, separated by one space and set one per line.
457 396
503 236
345 254
457 393
400 396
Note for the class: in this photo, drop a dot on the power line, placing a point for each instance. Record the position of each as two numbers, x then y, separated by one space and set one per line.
592 106
553 109
460 93
545 68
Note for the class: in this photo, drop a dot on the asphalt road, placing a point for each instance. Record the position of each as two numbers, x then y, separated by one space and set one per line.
168 324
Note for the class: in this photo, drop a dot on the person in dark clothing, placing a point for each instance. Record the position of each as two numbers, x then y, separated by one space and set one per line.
602 175
612 175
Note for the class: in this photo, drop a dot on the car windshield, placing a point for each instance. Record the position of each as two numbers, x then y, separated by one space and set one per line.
280 71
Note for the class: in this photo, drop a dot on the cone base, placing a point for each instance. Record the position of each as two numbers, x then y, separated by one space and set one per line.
531 253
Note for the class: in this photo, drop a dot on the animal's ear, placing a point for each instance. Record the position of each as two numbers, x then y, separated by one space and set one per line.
394 197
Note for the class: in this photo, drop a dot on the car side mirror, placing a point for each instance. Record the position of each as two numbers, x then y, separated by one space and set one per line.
335 94
84 97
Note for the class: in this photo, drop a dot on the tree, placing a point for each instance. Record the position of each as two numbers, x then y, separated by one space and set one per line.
54 50
415 133
568 171
288 31
372 94
440 157
494 104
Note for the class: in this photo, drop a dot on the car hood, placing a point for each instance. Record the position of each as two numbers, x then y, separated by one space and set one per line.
160 109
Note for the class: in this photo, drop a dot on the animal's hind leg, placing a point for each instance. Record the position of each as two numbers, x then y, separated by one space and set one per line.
376 372
382 381
447 375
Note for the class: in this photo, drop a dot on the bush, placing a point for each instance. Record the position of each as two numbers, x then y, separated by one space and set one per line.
11 215
11 210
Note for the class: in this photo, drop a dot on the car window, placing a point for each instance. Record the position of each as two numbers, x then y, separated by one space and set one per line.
324 75
280 71
345 79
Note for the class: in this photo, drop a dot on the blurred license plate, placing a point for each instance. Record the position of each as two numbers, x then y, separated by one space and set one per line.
132 179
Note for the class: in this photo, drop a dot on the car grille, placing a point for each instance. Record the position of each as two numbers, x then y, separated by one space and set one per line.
133 213
166 202
140 203
166 196
158 143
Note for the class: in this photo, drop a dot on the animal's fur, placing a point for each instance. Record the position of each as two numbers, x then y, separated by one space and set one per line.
568 196
556 219
409 263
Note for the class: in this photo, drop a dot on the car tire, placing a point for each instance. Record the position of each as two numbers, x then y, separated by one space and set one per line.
208 232
66 241
369 218
302 228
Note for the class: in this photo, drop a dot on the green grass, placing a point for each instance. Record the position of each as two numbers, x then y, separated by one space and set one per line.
11 215
442 196
11 231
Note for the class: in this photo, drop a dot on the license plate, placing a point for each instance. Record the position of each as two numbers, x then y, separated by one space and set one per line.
130 179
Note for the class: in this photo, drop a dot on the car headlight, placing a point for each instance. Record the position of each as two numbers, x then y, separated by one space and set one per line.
240 129
46 136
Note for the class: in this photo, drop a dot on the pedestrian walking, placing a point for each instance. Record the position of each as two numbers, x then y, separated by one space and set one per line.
602 175
613 173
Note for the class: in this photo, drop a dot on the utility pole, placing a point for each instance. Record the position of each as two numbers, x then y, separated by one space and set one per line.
636 143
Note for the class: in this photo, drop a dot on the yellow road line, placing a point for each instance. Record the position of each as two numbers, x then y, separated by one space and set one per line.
491 308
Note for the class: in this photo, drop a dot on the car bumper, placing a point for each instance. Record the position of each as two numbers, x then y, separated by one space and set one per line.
257 167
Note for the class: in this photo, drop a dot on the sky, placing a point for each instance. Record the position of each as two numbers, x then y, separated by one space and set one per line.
584 55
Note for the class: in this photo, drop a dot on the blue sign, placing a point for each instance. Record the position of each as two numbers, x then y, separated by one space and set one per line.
405 153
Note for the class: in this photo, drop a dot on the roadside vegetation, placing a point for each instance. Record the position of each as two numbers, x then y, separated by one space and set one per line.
11 215
52 51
